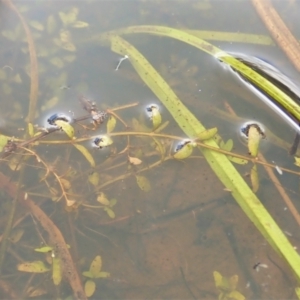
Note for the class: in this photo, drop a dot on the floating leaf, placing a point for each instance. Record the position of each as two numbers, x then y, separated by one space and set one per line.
80 24
66 127
85 152
101 198
44 249
36 25
89 288
96 266
105 141
94 178
134 160
110 212
254 138
33 267
184 150
254 179
207 134
156 117
143 183
56 271
111 124
51 24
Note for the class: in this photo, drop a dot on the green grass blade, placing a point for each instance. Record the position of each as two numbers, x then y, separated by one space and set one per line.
220 164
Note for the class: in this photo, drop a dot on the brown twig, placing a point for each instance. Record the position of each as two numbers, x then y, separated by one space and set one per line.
279 31
55 236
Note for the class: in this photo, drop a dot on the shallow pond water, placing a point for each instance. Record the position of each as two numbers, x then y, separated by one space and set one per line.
164 228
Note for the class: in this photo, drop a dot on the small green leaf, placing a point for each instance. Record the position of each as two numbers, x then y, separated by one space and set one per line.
254 179
103 275
237 160
111 124
207 134
87 274
67 128
94 178
30 129
101 198
297 159
36 25
110 212
33 267
113 202
143 183
56 271
85 152
227 146
89 288
44 249
96 266
235 295
69 17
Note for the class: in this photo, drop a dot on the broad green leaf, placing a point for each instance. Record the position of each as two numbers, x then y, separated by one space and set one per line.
218 279
96 266
254 179
101 198
185 151
56 271
254 138
85 152
111 124
219 163
33 267
297 290
44 249
80 24
67 128
94 178
30 129
143 183
103 275
89 288
207 134
109 212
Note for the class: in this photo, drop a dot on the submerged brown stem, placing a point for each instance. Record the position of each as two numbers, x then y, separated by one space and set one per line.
279 31
55 236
